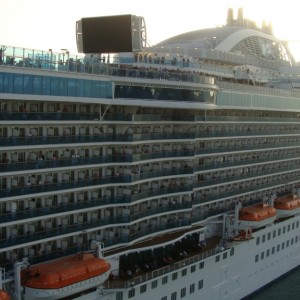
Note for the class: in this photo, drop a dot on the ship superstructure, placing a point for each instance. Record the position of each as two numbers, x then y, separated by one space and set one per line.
150 153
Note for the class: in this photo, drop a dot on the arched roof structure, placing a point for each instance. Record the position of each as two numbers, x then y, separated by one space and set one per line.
258 45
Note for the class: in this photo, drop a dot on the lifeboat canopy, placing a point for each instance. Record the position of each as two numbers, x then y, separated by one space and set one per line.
65 271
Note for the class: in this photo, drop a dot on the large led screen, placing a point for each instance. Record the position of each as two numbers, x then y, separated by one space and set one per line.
105 34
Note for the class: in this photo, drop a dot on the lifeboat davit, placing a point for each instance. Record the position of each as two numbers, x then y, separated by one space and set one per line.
4 295
256 216
64 277
287 206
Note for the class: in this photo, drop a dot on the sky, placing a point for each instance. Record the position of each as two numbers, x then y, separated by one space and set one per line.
43 25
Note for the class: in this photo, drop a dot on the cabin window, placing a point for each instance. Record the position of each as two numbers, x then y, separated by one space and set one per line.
131 293
200 284
165 280
274 233
273 250
143 288
224 255
183 292
289 227
287 243
257 240
217 258
262 255
268 253
164 298
256 258
201 265
154 284
183 272
174 296
278 248
119 296
192 288
269 236
174 276
193 269
283 230
231 251
279 231
293 226
282 245
263 238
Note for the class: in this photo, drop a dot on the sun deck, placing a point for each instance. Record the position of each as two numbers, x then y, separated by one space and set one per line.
150 264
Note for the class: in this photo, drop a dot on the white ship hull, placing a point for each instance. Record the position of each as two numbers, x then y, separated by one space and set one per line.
225 276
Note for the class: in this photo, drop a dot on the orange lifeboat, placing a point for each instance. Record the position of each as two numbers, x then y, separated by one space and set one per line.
257 215
287 206
4 295
64 272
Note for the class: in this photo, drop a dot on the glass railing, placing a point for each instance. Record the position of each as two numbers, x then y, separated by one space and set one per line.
40 116
242 177
66 62
240 191
66 162
246 119
88 183
222 149
243 162
95 225
65 185
36 140
95 203
245 133
69 162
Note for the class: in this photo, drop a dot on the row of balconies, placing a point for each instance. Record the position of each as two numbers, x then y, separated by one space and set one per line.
90 112
23 234
65 245
227 191
16 210
31 160
143 132
87 178
218 145
212 191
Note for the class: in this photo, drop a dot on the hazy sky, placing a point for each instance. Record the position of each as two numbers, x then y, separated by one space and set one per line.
43 24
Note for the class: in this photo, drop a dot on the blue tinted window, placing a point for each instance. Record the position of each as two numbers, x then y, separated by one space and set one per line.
63 86
8 83
96 87
28 79
46 86
55 86
71 87
37 85
88 88
1 83
18 83
80 88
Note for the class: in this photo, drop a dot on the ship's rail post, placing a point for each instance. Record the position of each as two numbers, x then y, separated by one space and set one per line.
17 271
99 246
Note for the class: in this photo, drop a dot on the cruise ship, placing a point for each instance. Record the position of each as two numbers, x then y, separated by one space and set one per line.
137 172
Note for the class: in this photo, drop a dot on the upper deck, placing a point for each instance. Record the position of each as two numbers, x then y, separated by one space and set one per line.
33 72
